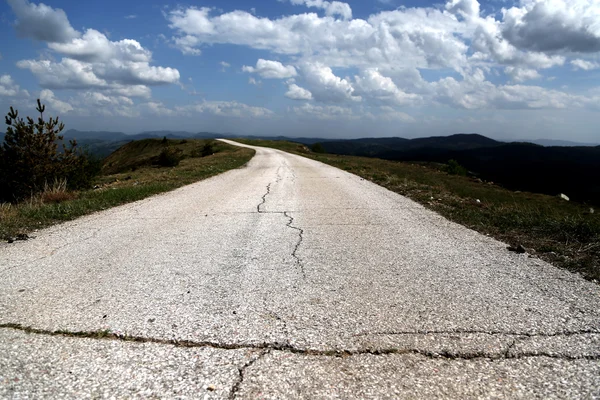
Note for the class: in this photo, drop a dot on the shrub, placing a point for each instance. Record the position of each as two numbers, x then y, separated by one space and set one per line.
454 168
168 157
29 157
317 148
208 149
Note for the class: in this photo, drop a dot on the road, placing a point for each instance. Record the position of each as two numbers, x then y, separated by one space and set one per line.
288 279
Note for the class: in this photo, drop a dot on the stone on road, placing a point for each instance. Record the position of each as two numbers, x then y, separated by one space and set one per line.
288 279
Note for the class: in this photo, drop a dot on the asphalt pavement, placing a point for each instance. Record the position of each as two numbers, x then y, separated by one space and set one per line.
288 278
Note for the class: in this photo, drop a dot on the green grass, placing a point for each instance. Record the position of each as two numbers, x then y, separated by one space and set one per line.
563 233
135 181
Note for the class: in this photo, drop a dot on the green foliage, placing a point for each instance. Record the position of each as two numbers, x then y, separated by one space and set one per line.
168 157
208 149
454 168
317 148
30 157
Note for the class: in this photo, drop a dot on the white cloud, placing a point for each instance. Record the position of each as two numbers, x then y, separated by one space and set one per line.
158 108
325 85
585 65
391 114
226 109
519 74
295 92
47 97
9 88
554 25
332 8
41 22
372 84
271 69
475 92
324 112
89 60
132 16
224 65
465 8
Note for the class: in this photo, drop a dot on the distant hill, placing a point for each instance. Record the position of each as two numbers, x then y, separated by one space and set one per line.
376 147
518 166
561 143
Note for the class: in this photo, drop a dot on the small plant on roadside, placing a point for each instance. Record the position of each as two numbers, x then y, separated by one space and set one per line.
57 192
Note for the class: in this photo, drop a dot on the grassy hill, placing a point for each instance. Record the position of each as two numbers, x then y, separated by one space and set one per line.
517 166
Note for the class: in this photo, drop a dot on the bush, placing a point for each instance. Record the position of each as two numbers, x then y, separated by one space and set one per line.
30 159
168 157
208 149
454 168
317 148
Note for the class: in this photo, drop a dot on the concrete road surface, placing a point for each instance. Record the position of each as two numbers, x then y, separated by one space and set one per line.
288 279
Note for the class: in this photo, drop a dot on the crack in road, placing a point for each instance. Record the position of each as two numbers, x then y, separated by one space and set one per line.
242 372
300 239
268 347
264 199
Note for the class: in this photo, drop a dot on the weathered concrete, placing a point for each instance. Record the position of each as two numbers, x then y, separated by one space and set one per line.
288 278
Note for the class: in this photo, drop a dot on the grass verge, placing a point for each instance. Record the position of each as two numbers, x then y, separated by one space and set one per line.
132 183
563 233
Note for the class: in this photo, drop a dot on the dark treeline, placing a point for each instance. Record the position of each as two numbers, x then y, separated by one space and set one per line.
573 171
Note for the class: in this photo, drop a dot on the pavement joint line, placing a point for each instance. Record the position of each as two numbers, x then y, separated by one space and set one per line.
269 347
298 244
242 372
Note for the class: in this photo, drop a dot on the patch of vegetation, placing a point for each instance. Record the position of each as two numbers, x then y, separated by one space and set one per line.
454 168
30 159
567 234
129 174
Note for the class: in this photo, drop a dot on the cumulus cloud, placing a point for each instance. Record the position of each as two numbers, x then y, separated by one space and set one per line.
331 8
295 92
465 8
271 69
9 88
372 84
47 97
89 60
324 112
424 38
519 74
554 25
325 85
475 92
41 22
585 65
226 109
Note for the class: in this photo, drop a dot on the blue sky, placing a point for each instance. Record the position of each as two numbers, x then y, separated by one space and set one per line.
510 70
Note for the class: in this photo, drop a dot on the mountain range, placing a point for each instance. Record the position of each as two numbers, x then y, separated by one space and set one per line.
518 165
570 168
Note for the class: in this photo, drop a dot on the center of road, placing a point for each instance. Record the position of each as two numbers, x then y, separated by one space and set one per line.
289 278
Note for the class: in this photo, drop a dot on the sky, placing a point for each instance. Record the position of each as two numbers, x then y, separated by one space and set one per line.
510 70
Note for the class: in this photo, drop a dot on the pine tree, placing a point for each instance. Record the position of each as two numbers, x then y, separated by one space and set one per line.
29 156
